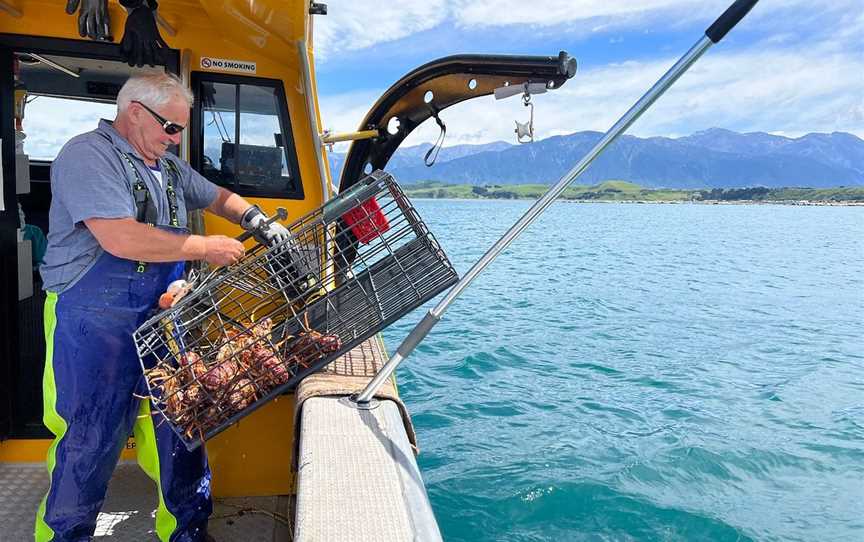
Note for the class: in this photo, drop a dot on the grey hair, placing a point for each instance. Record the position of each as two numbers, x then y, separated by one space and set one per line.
153 89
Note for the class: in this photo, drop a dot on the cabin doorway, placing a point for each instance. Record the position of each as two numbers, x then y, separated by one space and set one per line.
50 90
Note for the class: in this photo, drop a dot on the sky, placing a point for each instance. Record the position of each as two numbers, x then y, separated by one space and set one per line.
791 67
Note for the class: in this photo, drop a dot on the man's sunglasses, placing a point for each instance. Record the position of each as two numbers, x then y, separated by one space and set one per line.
170 128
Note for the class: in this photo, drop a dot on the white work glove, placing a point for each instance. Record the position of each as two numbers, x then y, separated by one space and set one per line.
267 234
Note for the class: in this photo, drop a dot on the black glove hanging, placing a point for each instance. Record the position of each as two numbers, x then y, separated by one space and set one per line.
141 43
93 20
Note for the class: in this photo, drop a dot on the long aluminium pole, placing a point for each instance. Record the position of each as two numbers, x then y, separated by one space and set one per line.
713 35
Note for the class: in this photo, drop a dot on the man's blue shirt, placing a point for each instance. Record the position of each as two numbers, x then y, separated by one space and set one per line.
90 180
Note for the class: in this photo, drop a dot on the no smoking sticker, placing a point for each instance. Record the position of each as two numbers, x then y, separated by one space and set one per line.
225 64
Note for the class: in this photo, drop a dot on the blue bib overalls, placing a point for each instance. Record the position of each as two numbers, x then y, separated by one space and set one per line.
92 384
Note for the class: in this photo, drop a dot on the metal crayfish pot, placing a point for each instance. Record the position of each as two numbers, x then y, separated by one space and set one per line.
251 331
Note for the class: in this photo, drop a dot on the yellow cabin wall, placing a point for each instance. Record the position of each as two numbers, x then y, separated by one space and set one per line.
253 457
266 32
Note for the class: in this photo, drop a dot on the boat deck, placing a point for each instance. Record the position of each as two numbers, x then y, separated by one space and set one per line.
129 507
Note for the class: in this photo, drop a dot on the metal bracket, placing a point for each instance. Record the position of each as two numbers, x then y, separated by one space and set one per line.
324 140
317 8
527 87
526 129
351 401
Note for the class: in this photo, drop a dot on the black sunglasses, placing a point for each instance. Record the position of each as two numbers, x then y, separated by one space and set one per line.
170 128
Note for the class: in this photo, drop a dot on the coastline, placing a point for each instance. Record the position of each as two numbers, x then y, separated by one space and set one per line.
626 192
802 203
799 203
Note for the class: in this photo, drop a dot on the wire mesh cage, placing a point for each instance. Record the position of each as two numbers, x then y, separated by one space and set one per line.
249 332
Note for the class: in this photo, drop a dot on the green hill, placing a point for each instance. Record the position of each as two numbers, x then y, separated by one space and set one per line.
627 191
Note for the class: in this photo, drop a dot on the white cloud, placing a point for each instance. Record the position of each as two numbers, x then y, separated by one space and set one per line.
816 88
347 26
355 25
344 112
554 12
616 13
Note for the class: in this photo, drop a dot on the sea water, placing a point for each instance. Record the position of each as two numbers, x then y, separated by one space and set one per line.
645 372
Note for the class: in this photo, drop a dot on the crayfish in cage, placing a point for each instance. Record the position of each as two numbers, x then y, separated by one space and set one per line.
309 346
207 388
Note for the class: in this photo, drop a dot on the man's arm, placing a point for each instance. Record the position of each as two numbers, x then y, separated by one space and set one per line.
232 207
229 205
201 193
126 238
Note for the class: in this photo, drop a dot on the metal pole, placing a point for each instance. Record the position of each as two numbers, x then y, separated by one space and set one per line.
54 65
313 118
716 32
317 147
170 30
328 138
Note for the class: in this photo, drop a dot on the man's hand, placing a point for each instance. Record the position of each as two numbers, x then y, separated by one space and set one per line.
254 220
93 21
222 250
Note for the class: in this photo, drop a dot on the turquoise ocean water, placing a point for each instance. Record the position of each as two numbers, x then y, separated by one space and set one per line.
646 372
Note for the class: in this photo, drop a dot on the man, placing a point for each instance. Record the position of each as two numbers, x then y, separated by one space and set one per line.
117 238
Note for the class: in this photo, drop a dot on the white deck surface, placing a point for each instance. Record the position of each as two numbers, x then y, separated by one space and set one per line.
127 514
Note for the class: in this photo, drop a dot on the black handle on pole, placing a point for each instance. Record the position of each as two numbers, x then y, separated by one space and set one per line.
729 19
244 236
281 214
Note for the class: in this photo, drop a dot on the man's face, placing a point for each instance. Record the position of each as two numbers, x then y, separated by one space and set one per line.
149 137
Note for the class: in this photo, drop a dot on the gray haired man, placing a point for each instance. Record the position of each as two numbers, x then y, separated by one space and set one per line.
117 238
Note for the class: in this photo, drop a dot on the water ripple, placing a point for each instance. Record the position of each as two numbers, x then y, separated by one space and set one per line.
647 372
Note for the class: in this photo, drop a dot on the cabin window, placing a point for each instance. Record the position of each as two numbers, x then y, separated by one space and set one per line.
46 136
244 140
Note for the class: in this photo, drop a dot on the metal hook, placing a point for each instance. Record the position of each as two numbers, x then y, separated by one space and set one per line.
526 129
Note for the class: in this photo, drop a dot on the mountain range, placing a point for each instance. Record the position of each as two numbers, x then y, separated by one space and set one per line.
714 158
